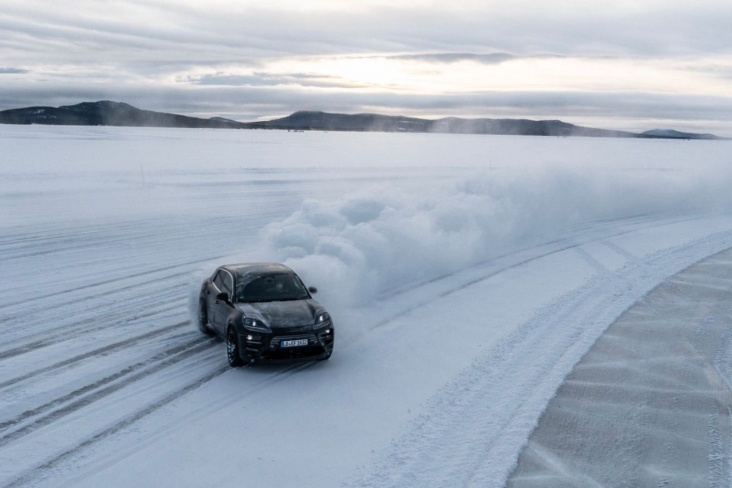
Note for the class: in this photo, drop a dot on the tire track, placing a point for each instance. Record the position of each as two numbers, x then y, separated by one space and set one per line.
22 251
74 329
117 346
149 366
25 237
149 409
473 429
116 280
539 251
86 398
492 383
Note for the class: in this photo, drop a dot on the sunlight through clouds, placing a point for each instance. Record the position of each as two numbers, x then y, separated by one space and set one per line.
249 60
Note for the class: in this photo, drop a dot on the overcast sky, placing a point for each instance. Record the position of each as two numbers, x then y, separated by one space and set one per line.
632 65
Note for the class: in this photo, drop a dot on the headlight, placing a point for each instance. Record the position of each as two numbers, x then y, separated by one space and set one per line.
321 320
254 324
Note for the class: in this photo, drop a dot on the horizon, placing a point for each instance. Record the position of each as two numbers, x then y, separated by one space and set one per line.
397 116
632 67
658 129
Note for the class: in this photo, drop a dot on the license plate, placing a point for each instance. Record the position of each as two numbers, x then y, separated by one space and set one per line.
294 343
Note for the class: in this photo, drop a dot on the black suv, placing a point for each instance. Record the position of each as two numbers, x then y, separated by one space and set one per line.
264 313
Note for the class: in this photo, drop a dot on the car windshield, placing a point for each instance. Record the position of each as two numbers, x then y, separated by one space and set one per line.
271 288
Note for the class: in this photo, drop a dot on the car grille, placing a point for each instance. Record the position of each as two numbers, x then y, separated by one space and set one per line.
300 329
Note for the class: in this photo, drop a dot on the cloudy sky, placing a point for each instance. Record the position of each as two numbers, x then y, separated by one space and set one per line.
622 64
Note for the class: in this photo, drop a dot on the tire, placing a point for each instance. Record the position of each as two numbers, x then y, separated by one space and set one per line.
203 319
232 348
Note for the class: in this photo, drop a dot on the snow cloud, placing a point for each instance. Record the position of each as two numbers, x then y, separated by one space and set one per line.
370 245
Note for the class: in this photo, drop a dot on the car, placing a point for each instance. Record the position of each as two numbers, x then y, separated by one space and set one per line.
264 313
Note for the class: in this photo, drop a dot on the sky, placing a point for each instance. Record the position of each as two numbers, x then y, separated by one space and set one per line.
629 65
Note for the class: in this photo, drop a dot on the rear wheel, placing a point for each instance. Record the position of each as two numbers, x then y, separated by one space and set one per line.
232 348
203 318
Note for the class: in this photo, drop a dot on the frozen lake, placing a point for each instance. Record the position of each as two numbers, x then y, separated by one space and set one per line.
467 276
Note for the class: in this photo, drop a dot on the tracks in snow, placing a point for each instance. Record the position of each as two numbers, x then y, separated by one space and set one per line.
80 357
141 361
104 350
472 432
87 358
34 419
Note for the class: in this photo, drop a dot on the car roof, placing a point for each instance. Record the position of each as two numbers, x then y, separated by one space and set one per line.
252 269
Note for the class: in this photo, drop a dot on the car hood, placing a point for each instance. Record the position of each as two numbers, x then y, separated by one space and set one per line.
290 313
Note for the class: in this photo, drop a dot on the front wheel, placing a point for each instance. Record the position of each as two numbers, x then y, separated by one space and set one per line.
232 348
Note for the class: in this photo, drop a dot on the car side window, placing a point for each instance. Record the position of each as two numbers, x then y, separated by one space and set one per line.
228 284
218 280
224 282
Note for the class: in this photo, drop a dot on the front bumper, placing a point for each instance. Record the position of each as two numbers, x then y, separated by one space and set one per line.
268 347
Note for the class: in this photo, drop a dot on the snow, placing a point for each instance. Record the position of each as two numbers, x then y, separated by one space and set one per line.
467 276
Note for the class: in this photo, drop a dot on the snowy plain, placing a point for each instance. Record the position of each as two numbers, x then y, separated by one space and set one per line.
467 276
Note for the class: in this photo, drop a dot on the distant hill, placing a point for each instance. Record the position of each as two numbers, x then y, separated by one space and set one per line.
674 134
121 114
451 125
107 113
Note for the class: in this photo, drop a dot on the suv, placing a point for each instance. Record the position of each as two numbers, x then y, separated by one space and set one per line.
264 312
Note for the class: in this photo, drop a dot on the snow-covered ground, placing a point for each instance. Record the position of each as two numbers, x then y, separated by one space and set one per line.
467 276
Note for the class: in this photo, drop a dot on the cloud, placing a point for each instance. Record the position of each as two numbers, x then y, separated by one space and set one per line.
226 30
220 79
271 79
12 71
238 58
456 57
491 58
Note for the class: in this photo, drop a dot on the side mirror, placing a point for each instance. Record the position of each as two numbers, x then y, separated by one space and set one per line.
312 290
222 296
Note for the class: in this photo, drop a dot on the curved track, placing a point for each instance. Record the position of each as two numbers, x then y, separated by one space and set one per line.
438 380
70 388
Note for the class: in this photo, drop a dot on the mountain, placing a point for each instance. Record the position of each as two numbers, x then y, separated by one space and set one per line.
106 112
307 120
674 134
385 123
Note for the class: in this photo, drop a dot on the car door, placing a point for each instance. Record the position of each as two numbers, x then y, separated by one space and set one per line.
225 307
212 304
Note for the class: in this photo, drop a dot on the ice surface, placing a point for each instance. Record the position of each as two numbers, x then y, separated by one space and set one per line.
649 405
467 276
